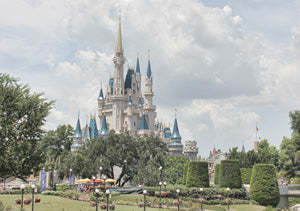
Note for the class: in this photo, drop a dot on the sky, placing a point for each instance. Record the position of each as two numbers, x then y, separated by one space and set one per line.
226 66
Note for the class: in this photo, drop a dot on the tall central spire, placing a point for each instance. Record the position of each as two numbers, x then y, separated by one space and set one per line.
119 42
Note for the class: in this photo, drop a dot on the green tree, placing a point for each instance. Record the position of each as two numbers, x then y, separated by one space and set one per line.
217 174
267 154
55 143
230 174
289 155
197 175
173 169
22 116
295 121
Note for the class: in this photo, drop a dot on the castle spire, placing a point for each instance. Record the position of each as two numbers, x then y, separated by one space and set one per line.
175 134
149 66
104 130
78 133
119 42
137 68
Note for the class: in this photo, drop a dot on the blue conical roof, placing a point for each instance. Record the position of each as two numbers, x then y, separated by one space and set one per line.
210 155
137 68
175 134
101 94
86 134
78 133
129 100
243 148
144 125
94 130
104 130
149 70
140 104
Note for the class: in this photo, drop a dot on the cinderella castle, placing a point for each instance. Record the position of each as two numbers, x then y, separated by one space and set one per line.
125 107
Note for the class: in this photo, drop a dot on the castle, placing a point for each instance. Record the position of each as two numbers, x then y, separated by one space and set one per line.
126 108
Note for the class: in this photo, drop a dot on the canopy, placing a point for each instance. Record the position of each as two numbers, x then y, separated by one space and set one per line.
83 180
110 180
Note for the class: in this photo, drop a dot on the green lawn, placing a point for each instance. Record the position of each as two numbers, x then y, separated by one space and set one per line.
53 203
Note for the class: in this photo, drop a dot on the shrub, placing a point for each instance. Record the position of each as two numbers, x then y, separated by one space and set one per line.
185 169
246 175
230 174
63 187
264 186
295 180
217 174
197 174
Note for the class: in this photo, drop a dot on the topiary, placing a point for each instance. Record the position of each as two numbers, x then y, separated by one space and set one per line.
197 174
185 168
217 174
246 175
230 174
264 186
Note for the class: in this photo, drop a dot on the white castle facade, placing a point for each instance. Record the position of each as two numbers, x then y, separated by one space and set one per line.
125 107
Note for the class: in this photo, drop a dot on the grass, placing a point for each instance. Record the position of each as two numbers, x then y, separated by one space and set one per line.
53 203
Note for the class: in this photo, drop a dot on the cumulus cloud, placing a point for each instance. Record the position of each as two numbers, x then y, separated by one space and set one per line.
205 61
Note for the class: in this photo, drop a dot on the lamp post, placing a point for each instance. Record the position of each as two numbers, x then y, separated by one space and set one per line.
104 178
160 172
227 190
93 177
178 191
107 196
145 193
201 200
33 187
22 193
165 184
100 168
70 178
160 184
97 195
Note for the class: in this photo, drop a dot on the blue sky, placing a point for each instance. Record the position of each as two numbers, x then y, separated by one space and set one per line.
225 65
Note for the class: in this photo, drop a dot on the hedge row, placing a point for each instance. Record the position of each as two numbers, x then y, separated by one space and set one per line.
264 186
197 174
217 174
207 193
246 175
230 174
185 169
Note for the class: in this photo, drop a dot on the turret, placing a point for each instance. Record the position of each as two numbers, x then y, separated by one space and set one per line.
175 147
94 129
104 130
138 76
77 137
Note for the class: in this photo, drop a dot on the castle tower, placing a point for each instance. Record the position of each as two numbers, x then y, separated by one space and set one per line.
191 150
87 133
149 108
138 76
94 130
77 137
175 147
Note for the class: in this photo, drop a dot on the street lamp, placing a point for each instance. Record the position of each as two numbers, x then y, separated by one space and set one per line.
178 191
22 193
33 187
160 184
227 190
100 168
104 178
93 177
97 195
70 178
202 199
160 171
145 193
165 184
107 196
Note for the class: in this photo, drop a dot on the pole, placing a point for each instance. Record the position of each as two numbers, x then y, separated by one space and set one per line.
144 202
160 195
107 195
97 202
32 199
178 201
94 186
22 192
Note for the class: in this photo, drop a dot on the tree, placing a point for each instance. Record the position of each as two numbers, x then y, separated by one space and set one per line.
264 185
217 174
295 121
55 143
173 169
289 155
22 116
267 154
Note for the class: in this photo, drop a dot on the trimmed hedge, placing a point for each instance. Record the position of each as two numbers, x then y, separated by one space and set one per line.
197 174
246 175
185 169
217 174
264 187
207 193
230 174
